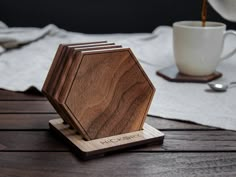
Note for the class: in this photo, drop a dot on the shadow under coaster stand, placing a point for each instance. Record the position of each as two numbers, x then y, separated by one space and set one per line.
102 95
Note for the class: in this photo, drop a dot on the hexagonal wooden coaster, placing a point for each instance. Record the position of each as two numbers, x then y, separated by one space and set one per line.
102 93
172 74
60 66
65 77
110 94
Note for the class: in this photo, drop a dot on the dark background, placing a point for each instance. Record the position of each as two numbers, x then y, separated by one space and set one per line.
103 16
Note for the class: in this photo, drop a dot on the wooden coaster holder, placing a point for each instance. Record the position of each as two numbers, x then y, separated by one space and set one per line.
99 147
102 95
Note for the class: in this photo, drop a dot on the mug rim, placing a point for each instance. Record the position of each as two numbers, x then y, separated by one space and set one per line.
197 24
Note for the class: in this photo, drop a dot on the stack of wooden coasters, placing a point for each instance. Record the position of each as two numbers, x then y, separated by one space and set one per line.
100 91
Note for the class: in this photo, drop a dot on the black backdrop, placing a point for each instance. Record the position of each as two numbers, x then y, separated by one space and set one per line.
103 16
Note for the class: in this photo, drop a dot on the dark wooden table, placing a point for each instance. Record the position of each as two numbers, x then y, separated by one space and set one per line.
28 148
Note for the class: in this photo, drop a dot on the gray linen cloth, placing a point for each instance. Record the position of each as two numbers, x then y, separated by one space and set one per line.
27 53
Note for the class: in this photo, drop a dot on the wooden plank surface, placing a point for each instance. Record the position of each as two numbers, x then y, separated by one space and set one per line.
168 124
29 104
60 164
25 121
188 149
30 141
175 141
6 95
196 141
26 107
40 121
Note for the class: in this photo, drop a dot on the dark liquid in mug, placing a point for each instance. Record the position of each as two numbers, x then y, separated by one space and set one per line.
204 12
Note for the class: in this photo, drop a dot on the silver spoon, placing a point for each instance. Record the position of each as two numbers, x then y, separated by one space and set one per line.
220 87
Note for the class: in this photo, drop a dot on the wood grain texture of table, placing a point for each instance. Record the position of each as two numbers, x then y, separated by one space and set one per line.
28 148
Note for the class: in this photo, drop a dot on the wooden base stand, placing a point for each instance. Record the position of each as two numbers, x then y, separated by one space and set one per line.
99 147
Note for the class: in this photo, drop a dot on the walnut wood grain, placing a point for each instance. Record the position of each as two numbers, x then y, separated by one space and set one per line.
64 61
118 92
67 61
52 69
66 75
70 71
56 63
110 94
60 164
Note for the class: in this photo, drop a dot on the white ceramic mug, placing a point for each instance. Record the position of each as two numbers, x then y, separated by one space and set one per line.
197 49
